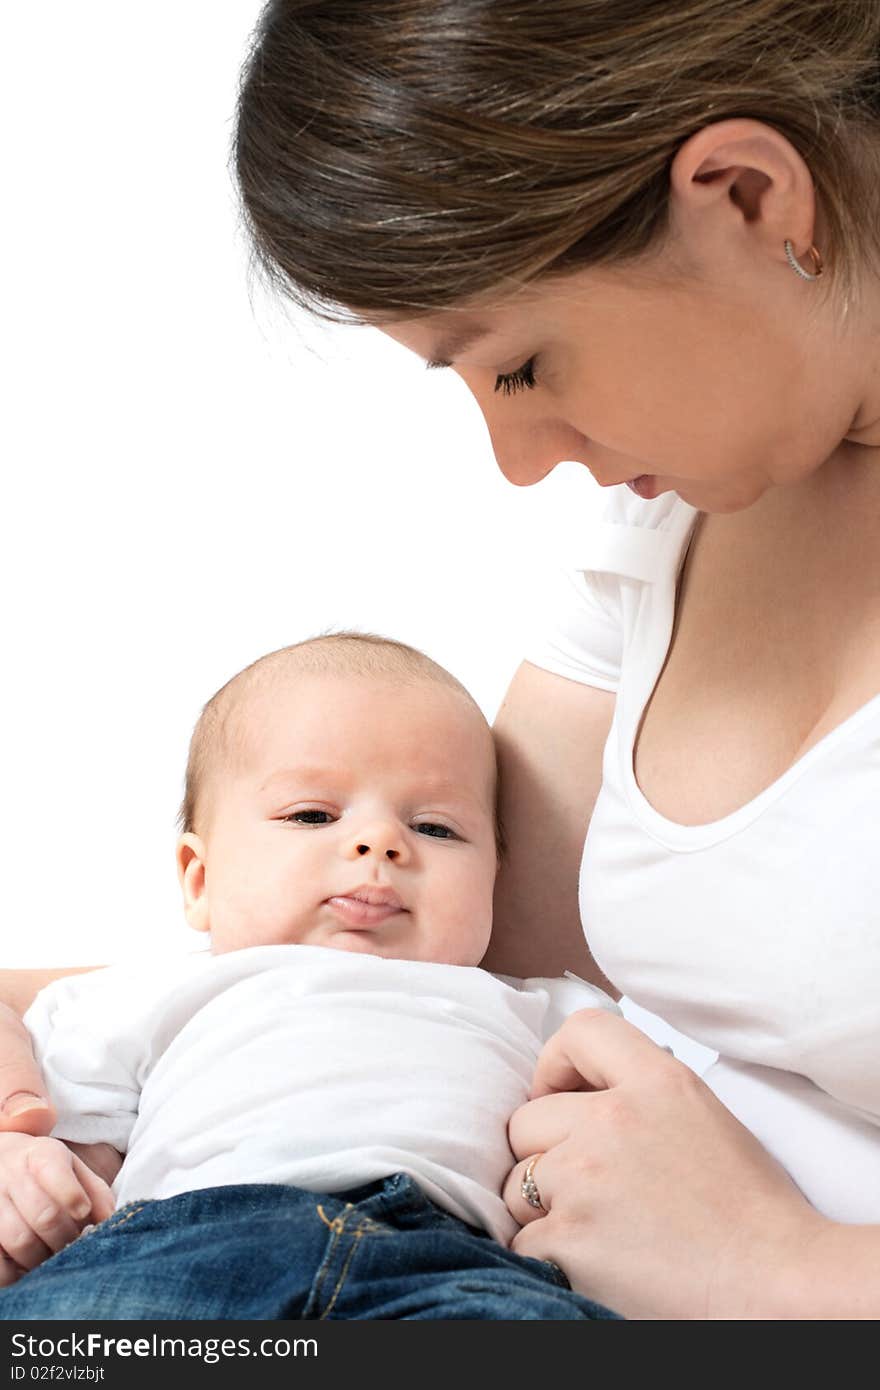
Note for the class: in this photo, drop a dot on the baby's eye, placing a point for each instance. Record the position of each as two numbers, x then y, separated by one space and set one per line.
440 832
309 818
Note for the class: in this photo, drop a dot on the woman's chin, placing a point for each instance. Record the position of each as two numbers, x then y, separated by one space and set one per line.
717 498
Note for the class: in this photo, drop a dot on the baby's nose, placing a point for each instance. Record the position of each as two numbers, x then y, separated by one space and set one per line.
381 841
389 853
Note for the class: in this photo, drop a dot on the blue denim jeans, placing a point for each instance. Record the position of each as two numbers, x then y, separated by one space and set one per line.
260 1251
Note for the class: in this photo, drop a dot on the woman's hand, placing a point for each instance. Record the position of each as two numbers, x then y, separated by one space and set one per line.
659 1204
24 1108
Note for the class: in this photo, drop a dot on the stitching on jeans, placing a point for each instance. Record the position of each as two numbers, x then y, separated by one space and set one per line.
114 1225
337 1225
110 1222
367 1226
342 1274
370 1227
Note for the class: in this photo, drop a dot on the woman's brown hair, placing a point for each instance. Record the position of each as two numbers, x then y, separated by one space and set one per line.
403 156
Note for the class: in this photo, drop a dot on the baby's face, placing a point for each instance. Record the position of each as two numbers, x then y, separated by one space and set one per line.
359 816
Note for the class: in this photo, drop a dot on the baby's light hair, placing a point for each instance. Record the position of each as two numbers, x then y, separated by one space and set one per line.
218 733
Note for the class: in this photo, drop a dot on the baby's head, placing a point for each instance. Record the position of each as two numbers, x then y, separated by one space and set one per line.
341 793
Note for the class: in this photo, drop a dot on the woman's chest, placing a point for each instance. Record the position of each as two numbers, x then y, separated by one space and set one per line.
776 642
757 934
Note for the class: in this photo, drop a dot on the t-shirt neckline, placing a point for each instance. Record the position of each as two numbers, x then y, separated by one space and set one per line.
658 608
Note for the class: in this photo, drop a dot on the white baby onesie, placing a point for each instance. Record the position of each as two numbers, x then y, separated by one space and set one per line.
319 1068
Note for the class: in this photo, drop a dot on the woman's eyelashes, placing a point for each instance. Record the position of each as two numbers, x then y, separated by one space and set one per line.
521 380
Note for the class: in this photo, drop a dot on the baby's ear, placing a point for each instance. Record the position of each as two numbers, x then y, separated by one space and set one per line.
191 876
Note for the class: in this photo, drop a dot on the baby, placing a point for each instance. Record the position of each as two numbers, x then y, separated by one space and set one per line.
314 1112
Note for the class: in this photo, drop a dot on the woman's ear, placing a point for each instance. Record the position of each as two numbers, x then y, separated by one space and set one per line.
192 876
742 180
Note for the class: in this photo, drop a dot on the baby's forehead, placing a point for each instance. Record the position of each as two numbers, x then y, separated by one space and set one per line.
340 714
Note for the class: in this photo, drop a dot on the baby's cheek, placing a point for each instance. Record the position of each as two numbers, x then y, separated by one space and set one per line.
258 911
465 934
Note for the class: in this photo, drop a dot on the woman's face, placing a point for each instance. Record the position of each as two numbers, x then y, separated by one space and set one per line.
714 386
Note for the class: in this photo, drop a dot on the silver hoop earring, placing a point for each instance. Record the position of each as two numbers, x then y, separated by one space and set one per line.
798 268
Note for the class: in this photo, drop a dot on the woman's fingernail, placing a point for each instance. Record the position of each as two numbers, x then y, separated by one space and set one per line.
23 1101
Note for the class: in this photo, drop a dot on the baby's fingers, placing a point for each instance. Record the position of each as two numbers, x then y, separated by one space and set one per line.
21 1246
52 1168
48 1195
52 1223
100 1196
9 1271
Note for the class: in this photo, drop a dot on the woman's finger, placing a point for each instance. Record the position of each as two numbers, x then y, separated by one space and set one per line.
545 1240
542 1124
595 1049
531 1178
24 1107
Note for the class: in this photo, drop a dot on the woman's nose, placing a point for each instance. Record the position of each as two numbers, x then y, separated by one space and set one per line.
527 453
380 840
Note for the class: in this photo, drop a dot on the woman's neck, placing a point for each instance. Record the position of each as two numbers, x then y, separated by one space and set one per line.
865 429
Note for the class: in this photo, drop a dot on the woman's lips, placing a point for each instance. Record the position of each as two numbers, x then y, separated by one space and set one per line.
355 912
645 485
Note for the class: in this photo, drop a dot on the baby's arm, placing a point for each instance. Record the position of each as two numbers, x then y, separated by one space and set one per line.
47 1195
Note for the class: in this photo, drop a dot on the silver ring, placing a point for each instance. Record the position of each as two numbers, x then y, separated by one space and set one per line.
528 1186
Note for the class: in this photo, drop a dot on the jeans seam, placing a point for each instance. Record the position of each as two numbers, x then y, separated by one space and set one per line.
343 1274
338 1226
109 1223
114 1225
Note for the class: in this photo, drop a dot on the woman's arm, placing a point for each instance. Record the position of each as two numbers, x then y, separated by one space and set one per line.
23 1104
550 734
19 988
838 1277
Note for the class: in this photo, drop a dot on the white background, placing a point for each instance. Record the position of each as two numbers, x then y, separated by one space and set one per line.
191 475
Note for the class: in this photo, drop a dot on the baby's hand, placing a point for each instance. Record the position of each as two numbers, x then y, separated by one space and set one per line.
47 1196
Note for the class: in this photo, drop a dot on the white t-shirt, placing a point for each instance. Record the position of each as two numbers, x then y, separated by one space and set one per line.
758 935
318 1068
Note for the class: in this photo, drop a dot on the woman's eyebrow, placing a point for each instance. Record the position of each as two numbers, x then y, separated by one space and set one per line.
447 349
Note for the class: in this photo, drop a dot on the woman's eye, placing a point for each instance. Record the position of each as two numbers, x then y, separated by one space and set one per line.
521 380
309 818
440 832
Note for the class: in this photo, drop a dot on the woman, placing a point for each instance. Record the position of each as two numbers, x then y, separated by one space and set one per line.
646 237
